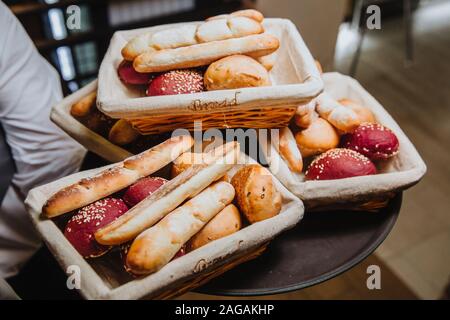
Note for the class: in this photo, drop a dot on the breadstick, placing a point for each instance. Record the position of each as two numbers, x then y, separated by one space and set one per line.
155 247
342 118
187 35
111 180
205 53
287 147
165 199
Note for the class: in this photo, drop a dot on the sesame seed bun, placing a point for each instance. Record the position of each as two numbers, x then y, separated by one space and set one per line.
339 163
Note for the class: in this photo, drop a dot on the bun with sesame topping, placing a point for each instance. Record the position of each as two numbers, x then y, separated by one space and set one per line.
339 163
81 227
176 82
372 140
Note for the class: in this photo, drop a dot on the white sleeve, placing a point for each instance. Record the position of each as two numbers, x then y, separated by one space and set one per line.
29 87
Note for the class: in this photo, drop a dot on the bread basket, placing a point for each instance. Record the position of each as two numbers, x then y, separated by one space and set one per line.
294 76
105 278
365 192
94 142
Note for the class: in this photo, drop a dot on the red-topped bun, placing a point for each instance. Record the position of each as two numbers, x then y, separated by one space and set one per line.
81 227
176 82
142 189
372 140
339 163
128 75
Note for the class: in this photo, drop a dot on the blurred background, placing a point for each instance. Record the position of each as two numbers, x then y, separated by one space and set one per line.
405 65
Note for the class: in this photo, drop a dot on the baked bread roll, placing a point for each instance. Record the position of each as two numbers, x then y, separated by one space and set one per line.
342 118
364 114
225 27
188 159
84 106
203 54
287 147
141 190
237 71
153 208
339 163
115 178
176 82
226 222
372 140
256 194
80 228
249 13
155 247
305 115
122 133
267 61
319 137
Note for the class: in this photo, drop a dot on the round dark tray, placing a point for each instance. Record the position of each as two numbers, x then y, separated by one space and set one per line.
322 246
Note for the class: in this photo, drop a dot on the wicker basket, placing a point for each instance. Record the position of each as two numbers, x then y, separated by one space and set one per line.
367 193
295 80
105 277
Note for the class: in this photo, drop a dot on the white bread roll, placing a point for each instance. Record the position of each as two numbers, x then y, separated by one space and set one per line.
319 137
122 133
118 177
226 222
236 71
342 118
155 247
256 195
249 13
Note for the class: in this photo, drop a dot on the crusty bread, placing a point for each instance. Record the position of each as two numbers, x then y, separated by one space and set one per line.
181 36
122 133
236 71
319 137
364 114
305 115
155 247
342 118
249 13
205 53
226 222
267 61
150 210
287 147
257 197
84 106
119 176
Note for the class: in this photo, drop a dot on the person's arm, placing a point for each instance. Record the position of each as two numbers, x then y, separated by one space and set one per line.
29 87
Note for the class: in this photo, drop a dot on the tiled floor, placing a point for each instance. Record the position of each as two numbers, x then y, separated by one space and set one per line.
418 96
